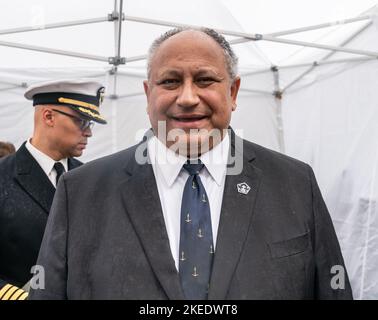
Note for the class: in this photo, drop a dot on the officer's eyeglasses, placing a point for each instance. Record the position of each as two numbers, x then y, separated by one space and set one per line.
83 123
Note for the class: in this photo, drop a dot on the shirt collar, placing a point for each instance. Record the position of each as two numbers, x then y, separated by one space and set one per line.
215 160
169 163
45 162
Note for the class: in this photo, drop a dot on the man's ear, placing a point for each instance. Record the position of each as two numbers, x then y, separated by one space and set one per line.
147 92
146 88
48 117
234 91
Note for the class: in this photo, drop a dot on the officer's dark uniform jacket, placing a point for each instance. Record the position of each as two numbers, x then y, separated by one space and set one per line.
26 195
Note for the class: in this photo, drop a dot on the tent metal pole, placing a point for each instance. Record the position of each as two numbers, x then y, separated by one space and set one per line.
93 75
136 58
158 22
243 40
309 64
257 37
132 94
264 70
301 76
117 14
166 23
115 78
320 26
115 5
183 25
278 100
321 46
321 62
256 91
25 84
119 30
112 74
245 36
54 25
54 51
349 39
113 71
239 40
12 87
250 73
315 64
114 14
7 82
117 17
135 73
309 28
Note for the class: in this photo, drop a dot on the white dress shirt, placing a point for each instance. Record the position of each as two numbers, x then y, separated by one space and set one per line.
45 162
171 178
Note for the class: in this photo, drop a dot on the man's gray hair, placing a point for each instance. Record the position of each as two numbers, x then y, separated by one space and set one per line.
229 55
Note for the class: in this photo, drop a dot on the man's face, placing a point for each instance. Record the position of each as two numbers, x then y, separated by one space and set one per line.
69 140
189 87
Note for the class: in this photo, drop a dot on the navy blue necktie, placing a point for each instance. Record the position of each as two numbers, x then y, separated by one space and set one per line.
196 237
59 168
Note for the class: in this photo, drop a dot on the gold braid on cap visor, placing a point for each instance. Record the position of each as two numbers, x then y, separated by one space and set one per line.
79 103
94 115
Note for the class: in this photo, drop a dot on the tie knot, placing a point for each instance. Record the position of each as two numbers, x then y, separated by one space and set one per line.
193 168
59 168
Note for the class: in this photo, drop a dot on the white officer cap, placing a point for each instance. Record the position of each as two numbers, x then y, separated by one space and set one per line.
82 95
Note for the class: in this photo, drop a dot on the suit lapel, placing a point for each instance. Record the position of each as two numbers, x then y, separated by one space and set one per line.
141 199
32 179
236 214
73 163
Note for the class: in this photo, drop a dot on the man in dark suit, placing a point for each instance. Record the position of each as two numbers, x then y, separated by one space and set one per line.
193 211
64 115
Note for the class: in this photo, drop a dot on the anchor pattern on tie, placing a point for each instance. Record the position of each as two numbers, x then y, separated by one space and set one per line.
196 240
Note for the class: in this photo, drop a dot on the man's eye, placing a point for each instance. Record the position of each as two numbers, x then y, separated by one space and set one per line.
205 81
169 81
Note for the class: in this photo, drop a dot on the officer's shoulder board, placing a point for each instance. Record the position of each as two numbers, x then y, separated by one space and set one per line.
11 292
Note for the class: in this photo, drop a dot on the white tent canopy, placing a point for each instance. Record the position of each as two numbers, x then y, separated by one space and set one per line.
308 85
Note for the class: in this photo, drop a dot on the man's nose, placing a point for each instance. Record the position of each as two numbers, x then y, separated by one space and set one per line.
87 132
188 96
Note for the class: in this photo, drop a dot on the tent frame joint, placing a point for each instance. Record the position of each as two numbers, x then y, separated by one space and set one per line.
278 94
113 96
113 70
114 16
274 68
116 61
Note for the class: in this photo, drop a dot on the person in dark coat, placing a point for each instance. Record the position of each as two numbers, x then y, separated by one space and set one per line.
193 211
64 114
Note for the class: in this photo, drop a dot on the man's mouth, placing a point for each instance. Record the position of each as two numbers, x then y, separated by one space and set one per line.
189 118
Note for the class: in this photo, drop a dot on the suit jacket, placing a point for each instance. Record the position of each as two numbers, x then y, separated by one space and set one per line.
26 195
106 236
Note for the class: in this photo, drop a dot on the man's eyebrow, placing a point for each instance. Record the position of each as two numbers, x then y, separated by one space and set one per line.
169 72
198 73
207 72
